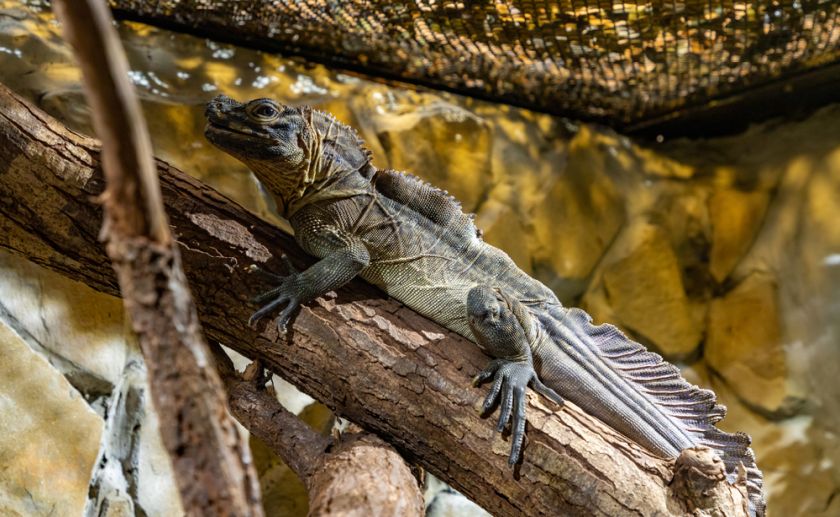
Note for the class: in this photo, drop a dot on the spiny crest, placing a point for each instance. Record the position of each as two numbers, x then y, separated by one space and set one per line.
429 201
339 141
695 407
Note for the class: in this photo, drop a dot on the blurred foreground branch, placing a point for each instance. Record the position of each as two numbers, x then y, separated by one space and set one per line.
211 461
365 356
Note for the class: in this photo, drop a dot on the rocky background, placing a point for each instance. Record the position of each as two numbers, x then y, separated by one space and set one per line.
722 254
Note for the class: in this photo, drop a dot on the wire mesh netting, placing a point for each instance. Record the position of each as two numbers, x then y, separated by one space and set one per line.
615 61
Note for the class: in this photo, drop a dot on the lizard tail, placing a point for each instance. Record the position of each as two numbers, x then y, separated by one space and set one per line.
694 411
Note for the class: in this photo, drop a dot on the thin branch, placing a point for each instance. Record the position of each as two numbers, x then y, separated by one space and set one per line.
211 461
298 445
358 475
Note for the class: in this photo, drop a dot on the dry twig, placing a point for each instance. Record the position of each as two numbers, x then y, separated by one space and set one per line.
211 460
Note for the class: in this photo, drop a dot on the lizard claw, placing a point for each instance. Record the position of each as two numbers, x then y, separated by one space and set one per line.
282 320
285 293
510 381
280 296
287 265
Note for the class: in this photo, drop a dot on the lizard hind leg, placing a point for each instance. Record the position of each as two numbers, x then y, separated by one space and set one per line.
502 327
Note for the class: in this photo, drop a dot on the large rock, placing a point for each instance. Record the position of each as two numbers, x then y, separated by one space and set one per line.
744 343
49 436
645 292
447 145
735 218
82 333
504 227
797 455
581 213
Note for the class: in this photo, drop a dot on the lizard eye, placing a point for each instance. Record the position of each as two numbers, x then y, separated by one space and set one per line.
264 111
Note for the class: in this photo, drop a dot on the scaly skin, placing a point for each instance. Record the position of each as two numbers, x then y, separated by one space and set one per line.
414 242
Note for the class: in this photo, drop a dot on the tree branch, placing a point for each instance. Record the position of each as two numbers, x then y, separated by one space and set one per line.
211 461
298 445
365 356
358 475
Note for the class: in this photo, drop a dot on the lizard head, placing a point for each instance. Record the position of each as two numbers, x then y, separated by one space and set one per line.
289 148
258 131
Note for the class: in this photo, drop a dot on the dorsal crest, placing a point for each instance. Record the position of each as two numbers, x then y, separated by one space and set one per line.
339 147
431 202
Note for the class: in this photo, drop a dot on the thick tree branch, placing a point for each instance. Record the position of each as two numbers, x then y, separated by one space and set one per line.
211 461
365 356
360 475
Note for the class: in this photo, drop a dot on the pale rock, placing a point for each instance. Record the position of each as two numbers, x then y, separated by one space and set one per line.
65 317
744 342
49 436
644 289
82 332
443 501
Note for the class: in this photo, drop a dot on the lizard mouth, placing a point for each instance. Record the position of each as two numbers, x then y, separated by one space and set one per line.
213 127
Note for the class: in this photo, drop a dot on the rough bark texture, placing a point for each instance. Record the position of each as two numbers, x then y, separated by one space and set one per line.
363 476
297 444
360 475
365 356
211 461
698 481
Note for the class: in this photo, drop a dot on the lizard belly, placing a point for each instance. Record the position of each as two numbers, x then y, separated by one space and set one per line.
438 297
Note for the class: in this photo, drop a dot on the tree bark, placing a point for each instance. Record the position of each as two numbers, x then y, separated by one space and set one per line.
211 460
366 356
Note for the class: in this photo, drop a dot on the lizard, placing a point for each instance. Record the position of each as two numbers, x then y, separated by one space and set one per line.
414 242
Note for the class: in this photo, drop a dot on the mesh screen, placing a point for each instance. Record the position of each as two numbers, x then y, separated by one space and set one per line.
614 61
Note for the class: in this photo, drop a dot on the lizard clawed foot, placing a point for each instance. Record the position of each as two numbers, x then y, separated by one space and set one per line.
510 380
287 264
292 304
285 293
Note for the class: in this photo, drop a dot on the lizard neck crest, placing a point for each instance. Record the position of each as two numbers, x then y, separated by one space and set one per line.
325 172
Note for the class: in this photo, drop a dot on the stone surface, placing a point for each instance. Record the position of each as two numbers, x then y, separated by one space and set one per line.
644 290
443 143
735 218
49 436
65 317
82 331
581 213
443 501
744 343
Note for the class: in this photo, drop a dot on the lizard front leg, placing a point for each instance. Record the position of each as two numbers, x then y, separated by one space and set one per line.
503 328
343 257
